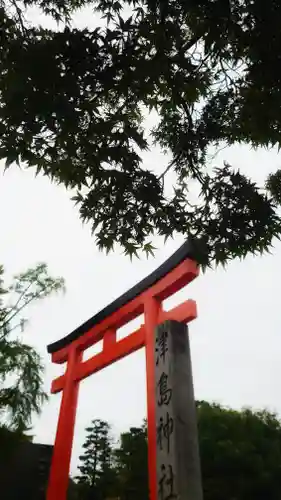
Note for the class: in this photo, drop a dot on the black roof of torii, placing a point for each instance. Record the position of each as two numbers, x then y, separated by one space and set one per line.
187 250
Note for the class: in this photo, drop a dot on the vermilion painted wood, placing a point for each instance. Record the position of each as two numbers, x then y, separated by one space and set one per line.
112 353
59 472
128 312
164 288
148 302
112 350
109 339
152 312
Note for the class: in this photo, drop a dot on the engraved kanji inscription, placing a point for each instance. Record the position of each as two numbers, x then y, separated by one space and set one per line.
164 391
166 483
164 432
161 346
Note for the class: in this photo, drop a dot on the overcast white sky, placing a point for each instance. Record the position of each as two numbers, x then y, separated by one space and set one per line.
235 341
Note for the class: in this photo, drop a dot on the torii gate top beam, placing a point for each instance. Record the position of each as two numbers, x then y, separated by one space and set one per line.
186 251
171 276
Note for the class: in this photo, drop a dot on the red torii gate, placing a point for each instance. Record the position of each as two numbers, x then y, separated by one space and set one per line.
146 297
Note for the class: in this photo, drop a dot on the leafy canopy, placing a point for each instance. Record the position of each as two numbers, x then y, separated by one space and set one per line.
240 457
21 369
73 104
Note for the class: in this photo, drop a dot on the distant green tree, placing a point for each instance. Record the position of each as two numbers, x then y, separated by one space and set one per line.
21 370
240 456
96 478
131 464
240 453
73 492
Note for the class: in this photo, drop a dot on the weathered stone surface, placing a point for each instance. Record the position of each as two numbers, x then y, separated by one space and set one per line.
178 463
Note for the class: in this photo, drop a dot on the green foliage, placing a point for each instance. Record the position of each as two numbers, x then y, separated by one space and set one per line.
131 465
240 456
96 477
9 441
21 369
73 105
108 471
240 453
273 185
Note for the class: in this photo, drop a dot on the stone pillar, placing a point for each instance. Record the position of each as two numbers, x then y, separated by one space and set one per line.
178 462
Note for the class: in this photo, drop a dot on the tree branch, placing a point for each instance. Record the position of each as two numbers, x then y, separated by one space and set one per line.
170 165
6 319
186 46
17 311
19 14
